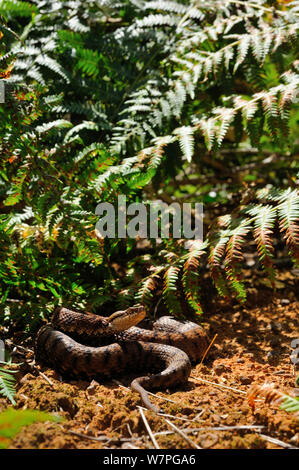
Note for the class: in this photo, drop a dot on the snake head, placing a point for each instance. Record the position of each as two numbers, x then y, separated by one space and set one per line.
124 319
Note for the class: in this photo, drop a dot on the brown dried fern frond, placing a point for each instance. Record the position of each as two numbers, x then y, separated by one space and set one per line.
272 395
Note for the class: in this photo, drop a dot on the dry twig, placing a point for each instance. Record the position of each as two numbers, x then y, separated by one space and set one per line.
219 385
278 442
182 434
148 428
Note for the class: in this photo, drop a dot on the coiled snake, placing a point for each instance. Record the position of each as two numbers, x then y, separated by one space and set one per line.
115 346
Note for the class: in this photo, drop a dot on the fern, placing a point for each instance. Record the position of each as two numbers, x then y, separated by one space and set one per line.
190 277
170 290
234 257
272 395
145 292
160 99
16 8
7 384
223 246
288 214
264 217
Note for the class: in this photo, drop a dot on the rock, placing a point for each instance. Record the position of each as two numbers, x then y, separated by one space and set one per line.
295 439
276 327
245 380
92 387
128 445
208 440
220 368
272 357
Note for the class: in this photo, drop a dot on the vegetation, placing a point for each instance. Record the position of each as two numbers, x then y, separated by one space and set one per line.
172 100
272 395
7 383
12 421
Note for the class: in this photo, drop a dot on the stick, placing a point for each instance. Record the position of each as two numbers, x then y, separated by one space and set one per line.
91 438
148 428
208 348
277 442
253 427
43 375
219 385
182 434
177 417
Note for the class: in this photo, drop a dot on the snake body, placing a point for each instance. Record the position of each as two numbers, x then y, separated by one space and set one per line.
115 346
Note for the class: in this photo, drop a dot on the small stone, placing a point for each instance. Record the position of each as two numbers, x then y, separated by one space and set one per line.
92 387
276 327
208 440
295 439
128 445
272 357
220 368
284 301
245 380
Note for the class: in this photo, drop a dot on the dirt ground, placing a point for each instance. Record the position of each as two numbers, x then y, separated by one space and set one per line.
212 410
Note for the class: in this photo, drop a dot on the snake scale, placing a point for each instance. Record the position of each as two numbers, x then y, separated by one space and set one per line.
81 344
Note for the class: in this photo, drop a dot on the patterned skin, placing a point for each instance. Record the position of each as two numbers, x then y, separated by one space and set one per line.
166 351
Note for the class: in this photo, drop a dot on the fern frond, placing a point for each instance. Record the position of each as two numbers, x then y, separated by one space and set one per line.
217 251
186 141
264 219
272 395
145 292
7 384
234 257
288 214
170 290
190 277
17 8
53 65
58 124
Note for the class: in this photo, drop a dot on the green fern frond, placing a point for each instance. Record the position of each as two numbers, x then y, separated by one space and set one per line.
190 277
264 220
170 290
58 124
217 250
16 8
7 384
290 404
145 292
288 214
186 141
234 257
53 65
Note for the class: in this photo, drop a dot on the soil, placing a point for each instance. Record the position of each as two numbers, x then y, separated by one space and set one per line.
252 347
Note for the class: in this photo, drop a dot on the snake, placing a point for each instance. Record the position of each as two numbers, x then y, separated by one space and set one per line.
86 345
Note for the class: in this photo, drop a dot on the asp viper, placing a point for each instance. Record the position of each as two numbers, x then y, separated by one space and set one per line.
166 351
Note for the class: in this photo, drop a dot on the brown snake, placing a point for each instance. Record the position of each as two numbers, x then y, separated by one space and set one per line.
167 351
